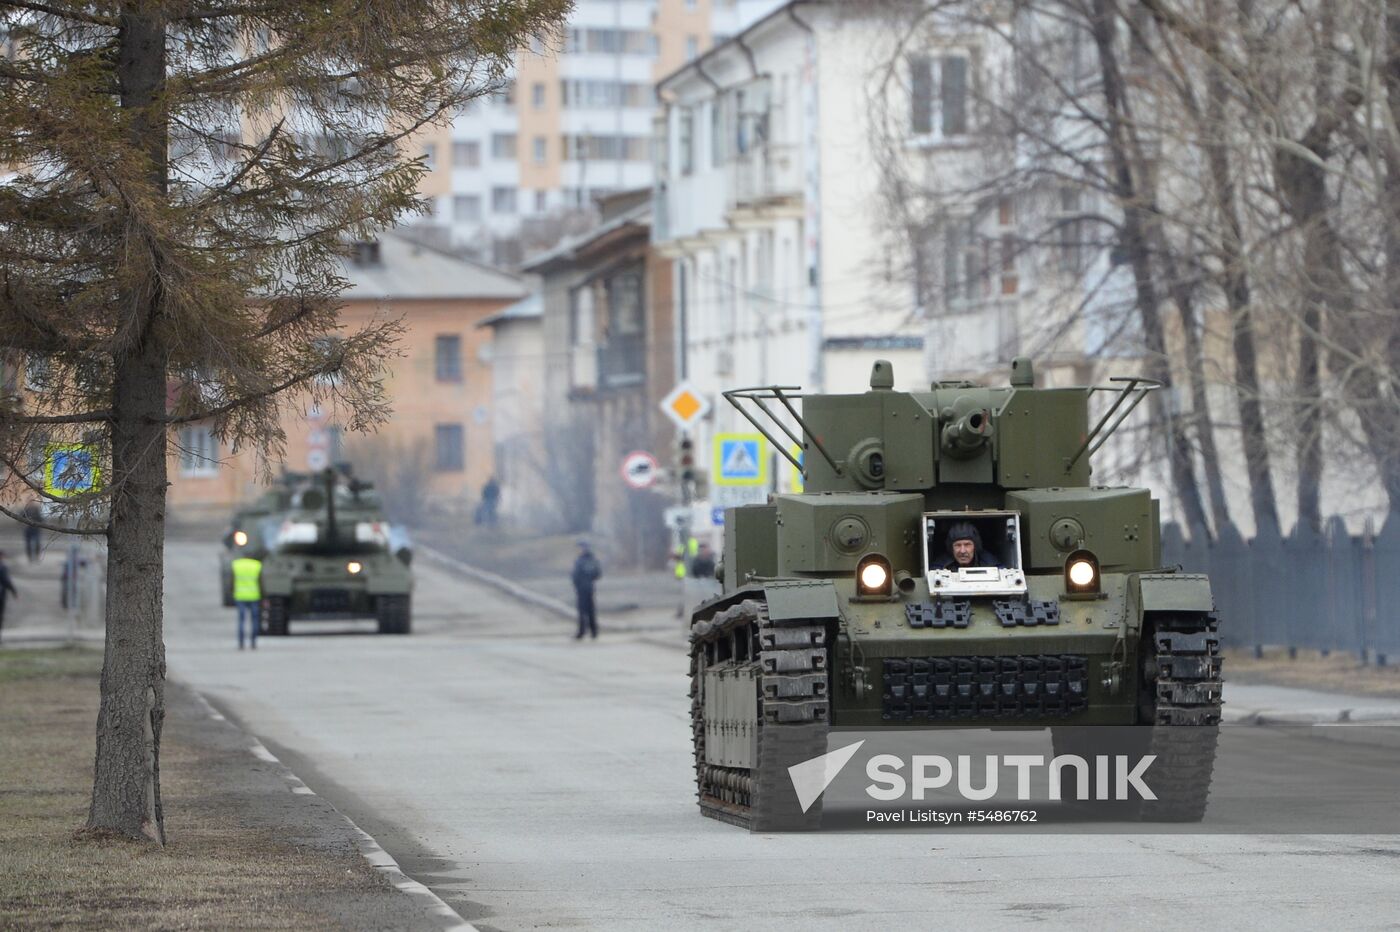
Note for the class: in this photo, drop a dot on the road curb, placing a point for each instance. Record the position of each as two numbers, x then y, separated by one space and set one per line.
515 590
1352 716
370 849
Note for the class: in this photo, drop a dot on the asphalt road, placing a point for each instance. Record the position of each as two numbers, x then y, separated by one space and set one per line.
533 781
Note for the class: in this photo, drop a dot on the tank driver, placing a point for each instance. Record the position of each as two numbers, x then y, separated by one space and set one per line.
965 548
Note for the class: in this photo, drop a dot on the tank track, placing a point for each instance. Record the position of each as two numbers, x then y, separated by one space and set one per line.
1185 716
789 662
1178 720
393 614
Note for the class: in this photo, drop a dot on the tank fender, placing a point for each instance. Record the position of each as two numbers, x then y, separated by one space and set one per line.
801 598
1175 592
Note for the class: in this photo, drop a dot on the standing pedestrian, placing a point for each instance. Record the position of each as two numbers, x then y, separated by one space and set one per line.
490 501
33 514
247 596
586 571
6 588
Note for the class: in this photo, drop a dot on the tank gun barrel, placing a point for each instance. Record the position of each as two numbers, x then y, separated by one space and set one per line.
966 435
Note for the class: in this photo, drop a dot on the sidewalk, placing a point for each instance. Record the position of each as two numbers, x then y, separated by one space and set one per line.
37 614
538 570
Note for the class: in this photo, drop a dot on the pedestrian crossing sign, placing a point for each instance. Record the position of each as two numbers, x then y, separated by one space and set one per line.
71 469
741 459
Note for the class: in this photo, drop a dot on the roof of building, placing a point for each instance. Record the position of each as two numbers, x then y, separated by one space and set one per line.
409 269
529 307
696 66
638 216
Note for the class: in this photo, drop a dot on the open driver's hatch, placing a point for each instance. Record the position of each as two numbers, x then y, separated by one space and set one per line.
1001 541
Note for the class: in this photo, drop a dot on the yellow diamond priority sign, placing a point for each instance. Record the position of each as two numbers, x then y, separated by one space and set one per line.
685 406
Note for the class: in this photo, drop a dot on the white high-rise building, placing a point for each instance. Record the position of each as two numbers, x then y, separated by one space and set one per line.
576 122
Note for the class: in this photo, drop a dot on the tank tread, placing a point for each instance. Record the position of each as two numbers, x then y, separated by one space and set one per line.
1179 723
790 660
393 614
276 615
1186 716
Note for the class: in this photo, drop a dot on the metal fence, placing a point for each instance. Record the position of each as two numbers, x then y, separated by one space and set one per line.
1330 592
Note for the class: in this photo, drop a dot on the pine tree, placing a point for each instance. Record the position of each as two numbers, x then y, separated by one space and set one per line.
183 178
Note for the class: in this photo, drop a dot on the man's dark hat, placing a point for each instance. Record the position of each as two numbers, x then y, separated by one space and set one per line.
964 530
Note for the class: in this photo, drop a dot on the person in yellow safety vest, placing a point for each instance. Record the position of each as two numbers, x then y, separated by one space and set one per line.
683 557
247 595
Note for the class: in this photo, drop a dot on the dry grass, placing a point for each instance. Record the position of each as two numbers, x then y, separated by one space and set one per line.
220 869
1343 673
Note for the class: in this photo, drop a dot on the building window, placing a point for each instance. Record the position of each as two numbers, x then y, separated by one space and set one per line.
610 41
1009 279
430 156
447 354
687 141
692 48
503 200
606 94
537 95
449 448
466 154
540 150
718 135
199 452
541 201
622 358
1070 229
503 146
940 110
466 208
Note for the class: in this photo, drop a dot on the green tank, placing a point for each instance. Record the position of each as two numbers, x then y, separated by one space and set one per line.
251 528
332 554
847 605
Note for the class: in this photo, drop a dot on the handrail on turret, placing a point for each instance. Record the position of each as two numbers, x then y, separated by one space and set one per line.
757 395
1137 387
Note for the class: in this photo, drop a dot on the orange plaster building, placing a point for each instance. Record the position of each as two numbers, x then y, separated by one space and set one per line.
437 444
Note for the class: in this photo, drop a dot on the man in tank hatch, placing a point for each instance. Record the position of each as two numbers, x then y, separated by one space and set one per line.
965 548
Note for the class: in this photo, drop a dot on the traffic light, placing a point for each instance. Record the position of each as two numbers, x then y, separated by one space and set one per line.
685 468
685 460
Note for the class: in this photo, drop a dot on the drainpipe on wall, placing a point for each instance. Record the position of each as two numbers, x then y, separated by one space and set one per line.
811 201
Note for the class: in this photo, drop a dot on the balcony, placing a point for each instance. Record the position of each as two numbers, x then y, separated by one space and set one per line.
765 175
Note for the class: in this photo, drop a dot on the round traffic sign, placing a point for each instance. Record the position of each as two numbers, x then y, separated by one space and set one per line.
639 469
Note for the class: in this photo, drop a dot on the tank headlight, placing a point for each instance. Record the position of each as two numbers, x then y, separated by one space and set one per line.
354 567
240 538
873 575
1082 572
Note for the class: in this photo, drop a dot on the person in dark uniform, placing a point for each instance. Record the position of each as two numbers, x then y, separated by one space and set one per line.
33 512
965 548
586 571
6 588
702 565
490 501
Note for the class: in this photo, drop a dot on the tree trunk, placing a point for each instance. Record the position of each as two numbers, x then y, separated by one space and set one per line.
126 777
1134 241
1235 284
126 782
